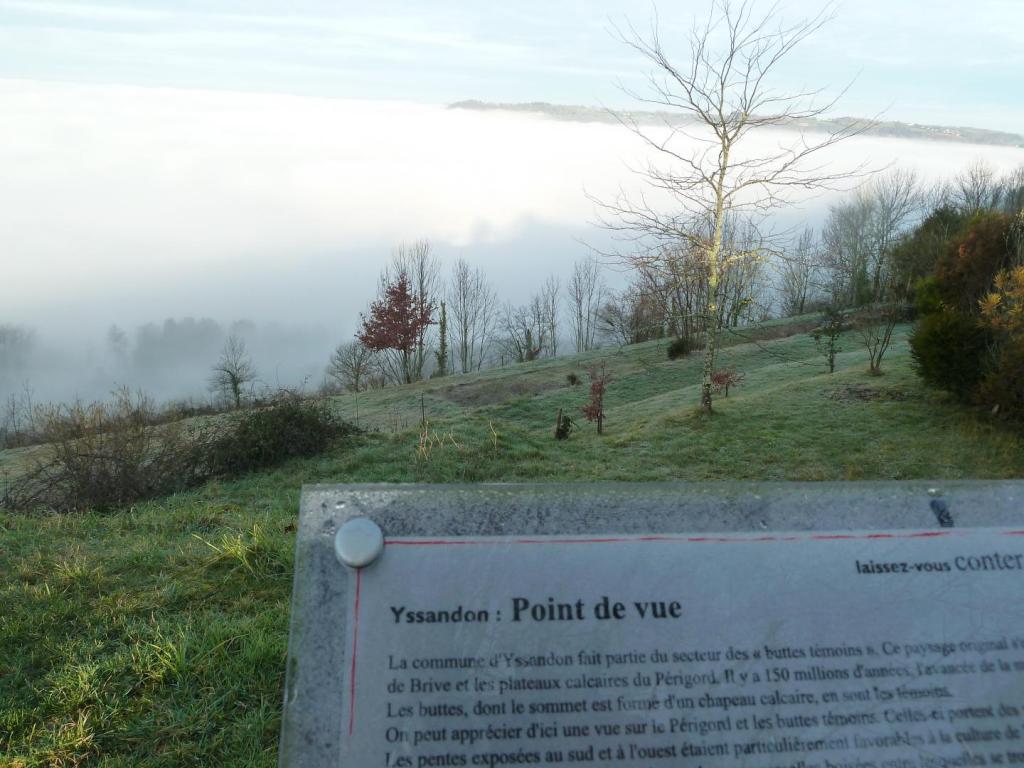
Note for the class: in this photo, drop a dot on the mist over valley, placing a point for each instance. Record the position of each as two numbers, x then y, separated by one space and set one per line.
178 217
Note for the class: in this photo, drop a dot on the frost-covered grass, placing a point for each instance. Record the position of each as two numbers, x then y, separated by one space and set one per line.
156 635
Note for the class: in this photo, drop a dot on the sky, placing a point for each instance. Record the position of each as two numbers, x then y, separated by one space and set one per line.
932 61
256 159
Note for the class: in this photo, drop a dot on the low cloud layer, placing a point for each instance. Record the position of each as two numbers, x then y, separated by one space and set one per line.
128 205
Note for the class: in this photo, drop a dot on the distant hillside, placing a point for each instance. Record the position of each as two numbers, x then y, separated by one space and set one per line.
892 129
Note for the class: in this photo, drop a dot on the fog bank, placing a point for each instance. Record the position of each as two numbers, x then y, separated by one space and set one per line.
128 206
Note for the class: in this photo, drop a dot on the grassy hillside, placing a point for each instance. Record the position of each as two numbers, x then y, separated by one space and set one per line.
155 636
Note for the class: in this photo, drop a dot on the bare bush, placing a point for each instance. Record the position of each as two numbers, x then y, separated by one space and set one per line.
600 378
351 366
108 455
875 326
18 419
724 378
105 455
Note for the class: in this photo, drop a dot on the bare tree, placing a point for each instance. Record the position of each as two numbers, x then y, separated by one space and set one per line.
1013 191
631 316
894 201
875 326
742 290
16 344
352 365
898 201
548 298
798 274
233 371
976 188
586 290
860 234
846 240
472 303
422 270
525 330
117 345
724 89
677 285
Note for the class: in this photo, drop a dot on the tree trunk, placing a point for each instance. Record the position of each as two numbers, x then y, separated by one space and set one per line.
714 253
709 368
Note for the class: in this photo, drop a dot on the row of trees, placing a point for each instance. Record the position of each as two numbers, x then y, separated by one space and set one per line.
872 248
867 257
424 323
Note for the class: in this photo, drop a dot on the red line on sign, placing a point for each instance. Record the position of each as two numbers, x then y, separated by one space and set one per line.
693 539
355 645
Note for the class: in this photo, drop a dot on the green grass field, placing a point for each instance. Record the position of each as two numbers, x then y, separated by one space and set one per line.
156 635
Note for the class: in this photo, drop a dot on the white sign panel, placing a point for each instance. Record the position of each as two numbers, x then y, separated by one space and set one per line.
812 650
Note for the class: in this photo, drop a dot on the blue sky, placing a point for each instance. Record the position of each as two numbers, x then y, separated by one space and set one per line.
937 61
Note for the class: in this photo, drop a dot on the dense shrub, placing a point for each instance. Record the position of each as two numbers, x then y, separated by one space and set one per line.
1003 385
950 350
1002 309
970 337
927 296
914 257
683 346
966 271
289 427
1002 312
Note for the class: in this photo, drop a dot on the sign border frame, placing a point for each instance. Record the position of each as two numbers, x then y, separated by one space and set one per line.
312 731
